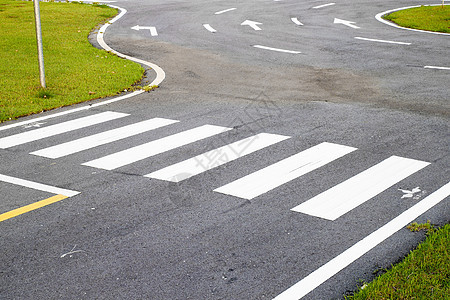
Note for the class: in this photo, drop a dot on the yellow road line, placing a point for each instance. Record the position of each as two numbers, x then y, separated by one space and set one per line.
27 208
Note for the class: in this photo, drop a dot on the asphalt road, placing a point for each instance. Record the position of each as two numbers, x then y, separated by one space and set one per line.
335 116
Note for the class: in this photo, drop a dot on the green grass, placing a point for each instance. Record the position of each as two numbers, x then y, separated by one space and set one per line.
429 18
424 273
75 70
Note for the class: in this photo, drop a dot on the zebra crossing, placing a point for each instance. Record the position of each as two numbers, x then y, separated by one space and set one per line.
330 204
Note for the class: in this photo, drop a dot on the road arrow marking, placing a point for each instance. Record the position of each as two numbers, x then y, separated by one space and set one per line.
252 24
346 23
152 29
296 21
209 28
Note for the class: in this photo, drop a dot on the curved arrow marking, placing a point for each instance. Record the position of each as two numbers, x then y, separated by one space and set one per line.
252 24
346 23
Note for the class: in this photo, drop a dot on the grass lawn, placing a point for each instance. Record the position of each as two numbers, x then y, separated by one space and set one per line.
75 70
424 274
430 18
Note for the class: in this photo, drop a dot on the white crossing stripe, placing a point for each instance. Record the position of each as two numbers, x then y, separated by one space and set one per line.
284 171
37 134
38 186
131 155
102 138
217 157
353 192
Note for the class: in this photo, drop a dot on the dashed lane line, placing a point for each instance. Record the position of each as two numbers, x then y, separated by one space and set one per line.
381 41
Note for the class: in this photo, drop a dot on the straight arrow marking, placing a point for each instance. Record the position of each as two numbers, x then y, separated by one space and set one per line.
152 29
252 24
346 23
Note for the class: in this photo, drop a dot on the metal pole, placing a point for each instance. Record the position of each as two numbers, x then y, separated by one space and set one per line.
37 17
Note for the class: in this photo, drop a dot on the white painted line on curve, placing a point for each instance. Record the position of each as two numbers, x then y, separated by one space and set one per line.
224 11
319 276
38 186
381 41
438 68
217 157
137 153
102 138
379 17
353 192
37 134
209 28
276 49
160 74
288 169
296 21
324 5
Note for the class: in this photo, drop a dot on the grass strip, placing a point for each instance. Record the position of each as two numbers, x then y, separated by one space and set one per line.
423 274
429 18
75 70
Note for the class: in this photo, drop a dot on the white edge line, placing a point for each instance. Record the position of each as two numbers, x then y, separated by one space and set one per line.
224 11
38 186
381 41
276 49
160 76
380 15
438 68
209 28
325 272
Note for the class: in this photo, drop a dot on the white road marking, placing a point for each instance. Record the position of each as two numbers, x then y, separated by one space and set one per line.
252 24
152 29
319 276
267 179
346 23
102 138
353 192
134 154
44 132
379 17
209 28
324 5
38 186
224 11
160 76
381 41
276 49
217 157
296 21
438 68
